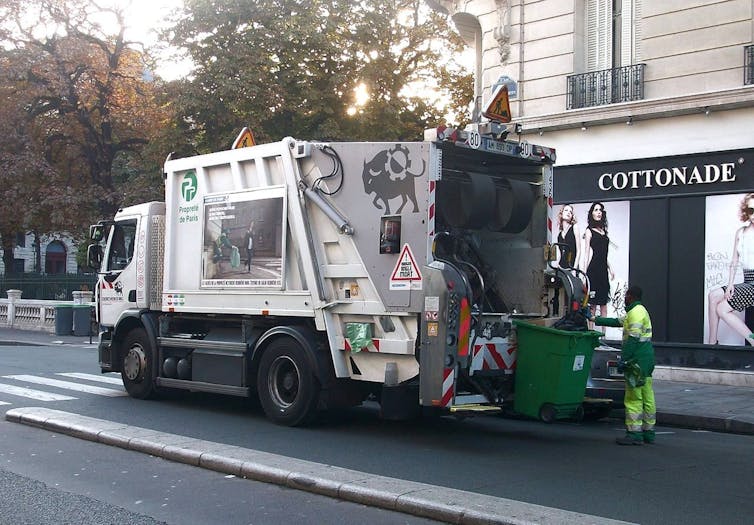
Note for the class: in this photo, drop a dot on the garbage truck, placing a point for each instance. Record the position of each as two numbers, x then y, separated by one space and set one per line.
318 275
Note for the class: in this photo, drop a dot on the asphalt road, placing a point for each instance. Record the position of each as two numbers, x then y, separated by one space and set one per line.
48 478
687 477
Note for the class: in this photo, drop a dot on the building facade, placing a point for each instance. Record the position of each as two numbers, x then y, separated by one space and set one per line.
57 254
650 106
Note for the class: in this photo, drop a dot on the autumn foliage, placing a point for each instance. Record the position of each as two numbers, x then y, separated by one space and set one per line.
85 123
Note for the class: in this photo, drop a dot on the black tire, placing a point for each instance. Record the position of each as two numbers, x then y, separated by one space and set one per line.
138 365
547 413
288 389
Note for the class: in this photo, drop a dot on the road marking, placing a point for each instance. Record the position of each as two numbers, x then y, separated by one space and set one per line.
4 403
93 377
109 392
33 394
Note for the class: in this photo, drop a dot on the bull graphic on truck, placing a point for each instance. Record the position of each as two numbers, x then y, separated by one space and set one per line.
388 175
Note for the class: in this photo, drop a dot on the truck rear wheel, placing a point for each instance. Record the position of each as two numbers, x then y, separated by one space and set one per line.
138 365
287 387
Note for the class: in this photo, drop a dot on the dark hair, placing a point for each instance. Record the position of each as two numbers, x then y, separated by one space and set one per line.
635 292
590 219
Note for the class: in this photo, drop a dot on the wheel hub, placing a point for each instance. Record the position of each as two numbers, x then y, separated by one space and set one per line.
135 363
284 381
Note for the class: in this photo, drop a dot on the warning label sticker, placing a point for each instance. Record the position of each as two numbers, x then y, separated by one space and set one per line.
406 274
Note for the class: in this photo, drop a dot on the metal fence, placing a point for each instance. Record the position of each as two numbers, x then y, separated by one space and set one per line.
57 287
748 65
608 86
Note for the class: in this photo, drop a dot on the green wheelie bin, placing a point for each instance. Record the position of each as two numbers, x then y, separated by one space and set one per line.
63 319
552 367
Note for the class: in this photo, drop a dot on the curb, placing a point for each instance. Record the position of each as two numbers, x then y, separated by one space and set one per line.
704 376
61 343
729 425
420 499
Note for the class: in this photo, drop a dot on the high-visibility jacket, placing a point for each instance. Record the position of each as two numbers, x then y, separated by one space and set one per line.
637 336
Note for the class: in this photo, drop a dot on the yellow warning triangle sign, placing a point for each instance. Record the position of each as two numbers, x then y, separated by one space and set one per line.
244 139
499 107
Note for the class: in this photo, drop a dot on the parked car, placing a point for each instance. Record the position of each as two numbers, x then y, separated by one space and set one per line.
605 386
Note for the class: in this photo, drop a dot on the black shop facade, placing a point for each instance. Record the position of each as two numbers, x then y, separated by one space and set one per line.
675 225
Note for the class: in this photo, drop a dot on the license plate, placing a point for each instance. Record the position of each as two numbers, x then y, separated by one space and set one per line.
612 370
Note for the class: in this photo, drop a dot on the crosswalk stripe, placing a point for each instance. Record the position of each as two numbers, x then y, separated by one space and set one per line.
93 377
68 385
33 394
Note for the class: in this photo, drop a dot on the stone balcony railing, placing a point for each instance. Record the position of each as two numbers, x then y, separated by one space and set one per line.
32 314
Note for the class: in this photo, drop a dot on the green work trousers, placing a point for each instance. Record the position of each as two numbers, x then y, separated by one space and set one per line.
640 411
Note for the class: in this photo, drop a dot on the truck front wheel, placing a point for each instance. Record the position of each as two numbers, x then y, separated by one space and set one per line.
288 389
137 366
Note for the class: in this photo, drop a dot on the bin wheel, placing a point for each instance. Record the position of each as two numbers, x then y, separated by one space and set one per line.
138 365
578 415
547 413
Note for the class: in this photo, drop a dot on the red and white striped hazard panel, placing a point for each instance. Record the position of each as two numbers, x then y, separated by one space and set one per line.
448 386
493 354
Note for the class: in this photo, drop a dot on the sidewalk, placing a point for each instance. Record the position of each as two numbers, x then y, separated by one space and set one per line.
719 408
33 337
701 400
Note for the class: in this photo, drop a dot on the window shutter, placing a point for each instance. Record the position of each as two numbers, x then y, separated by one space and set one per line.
599 35
631 32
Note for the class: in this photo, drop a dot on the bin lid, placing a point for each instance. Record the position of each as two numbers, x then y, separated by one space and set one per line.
547 329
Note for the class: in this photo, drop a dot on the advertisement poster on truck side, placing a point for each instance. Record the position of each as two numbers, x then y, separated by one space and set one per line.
244 239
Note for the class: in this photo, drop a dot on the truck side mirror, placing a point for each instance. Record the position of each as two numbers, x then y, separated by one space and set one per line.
97 231
94 257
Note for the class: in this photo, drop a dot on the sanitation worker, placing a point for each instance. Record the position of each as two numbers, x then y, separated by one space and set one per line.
638 362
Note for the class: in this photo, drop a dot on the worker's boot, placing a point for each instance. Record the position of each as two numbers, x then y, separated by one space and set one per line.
648 436
631 438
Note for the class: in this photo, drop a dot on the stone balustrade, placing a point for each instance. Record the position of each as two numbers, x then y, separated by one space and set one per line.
32 314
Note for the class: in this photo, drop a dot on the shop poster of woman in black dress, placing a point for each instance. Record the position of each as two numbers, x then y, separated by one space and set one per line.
595 261
568 235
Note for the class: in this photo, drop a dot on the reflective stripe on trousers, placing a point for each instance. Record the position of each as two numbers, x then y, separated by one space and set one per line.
640 407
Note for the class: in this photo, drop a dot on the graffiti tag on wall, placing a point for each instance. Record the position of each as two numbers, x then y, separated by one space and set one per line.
717 266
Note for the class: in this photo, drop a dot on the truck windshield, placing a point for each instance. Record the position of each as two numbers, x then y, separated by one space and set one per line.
121 244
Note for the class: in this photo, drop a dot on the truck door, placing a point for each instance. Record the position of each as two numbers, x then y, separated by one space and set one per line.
117 283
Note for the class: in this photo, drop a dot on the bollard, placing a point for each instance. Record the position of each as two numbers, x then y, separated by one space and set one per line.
13 296
81 297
